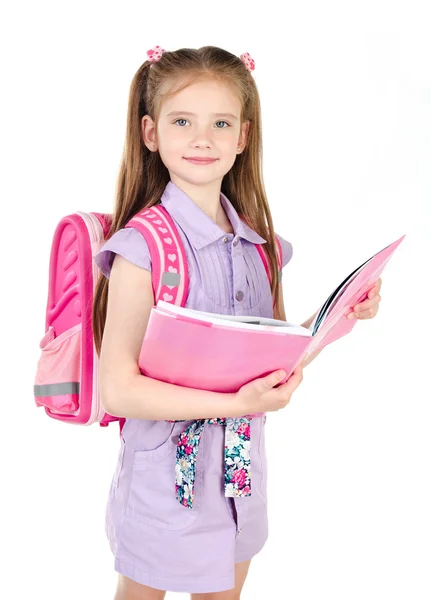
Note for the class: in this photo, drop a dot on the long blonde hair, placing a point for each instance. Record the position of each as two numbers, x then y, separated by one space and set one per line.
143 176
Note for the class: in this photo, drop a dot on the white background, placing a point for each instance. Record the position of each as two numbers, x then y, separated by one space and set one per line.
346 97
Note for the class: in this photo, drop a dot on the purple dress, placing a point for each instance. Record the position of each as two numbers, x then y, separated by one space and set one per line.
156 541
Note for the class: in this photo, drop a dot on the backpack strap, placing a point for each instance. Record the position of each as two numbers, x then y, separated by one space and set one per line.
264 258
170 275
169 269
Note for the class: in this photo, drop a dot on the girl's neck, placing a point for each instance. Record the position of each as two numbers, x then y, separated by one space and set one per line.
207 198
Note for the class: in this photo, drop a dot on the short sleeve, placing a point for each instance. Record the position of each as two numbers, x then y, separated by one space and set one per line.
128 242
286 250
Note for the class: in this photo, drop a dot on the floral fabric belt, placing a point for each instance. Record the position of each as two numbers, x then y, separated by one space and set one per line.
237 458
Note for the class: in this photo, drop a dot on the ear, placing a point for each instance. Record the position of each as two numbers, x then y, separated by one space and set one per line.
242 141
149 133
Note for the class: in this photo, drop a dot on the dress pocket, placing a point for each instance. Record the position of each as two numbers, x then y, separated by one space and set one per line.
152 495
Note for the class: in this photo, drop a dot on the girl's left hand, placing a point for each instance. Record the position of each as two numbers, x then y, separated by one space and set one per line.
367 309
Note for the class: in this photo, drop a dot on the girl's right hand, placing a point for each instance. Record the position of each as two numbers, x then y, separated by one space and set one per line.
260 396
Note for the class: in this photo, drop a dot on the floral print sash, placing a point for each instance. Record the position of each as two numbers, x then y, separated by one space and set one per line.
237 458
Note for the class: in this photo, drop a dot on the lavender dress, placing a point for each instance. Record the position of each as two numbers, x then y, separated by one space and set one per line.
156 541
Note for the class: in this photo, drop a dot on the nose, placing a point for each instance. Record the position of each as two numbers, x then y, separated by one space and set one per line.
202 137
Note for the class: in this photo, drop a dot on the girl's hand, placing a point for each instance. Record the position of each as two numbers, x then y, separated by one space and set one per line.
260 396
367 309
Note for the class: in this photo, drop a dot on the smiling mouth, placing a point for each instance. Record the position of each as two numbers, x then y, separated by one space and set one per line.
200 161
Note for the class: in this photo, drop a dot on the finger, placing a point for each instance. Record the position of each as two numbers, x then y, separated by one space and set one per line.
364 309
375 289
369 313
264 384
292 383
366 304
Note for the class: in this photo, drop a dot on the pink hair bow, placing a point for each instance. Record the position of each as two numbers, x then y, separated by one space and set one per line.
155 53
248 61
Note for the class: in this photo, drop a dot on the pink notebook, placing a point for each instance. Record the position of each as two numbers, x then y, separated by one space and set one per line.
221 353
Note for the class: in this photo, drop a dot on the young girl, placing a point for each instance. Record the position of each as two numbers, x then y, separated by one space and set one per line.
194 144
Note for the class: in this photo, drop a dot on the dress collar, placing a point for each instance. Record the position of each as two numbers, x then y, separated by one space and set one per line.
197 226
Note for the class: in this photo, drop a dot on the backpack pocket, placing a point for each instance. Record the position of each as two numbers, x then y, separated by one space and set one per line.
58 373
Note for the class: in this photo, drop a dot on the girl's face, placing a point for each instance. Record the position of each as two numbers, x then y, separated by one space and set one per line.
201 121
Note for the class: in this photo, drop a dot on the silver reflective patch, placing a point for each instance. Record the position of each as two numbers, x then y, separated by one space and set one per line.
56 389
171 279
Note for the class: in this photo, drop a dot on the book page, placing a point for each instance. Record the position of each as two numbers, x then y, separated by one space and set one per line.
377 262
248 322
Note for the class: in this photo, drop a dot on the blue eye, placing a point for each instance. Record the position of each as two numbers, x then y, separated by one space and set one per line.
177 121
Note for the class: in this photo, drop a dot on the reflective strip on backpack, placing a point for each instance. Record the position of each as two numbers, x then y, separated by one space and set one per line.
56 389
171 279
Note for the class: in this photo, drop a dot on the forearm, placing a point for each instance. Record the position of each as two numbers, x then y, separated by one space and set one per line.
308 322
140 397
313 355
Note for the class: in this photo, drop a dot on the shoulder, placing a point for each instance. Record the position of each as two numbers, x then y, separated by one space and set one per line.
127 242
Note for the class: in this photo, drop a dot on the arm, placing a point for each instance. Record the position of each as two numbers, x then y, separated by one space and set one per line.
124 391
281 314
313 355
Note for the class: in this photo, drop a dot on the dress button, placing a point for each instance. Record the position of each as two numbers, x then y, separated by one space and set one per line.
236 242
239 296
225 239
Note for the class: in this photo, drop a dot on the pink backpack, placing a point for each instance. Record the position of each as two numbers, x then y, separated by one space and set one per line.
67 374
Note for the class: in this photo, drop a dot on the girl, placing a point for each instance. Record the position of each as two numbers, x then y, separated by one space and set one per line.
194 144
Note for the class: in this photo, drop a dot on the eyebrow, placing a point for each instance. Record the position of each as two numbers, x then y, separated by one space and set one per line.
176 113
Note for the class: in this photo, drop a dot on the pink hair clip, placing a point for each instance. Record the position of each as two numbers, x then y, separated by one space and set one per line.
155 53
248 61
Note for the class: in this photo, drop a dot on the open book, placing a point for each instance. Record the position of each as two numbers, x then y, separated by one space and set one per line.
221 353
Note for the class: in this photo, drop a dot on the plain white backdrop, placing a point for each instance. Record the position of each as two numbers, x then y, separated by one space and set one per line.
346 103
